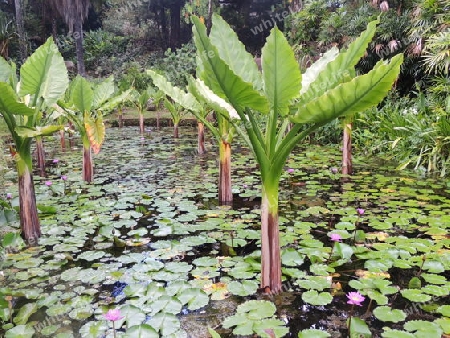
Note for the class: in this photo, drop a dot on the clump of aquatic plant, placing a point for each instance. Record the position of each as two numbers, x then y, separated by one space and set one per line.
84 105
43 80
281 95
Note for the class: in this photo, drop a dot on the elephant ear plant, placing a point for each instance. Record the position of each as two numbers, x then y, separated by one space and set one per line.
83 105
282 95
43 80
200 100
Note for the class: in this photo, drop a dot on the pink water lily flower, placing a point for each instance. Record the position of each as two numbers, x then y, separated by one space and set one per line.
335 237
355 298
360 211
64 177
55 160
113 315
8 196
290 170
48 183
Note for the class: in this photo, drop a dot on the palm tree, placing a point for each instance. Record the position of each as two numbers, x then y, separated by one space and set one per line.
74 12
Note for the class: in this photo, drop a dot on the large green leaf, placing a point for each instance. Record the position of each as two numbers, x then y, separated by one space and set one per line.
354 96
44 74
82 94
234 53
281 73
218 76
341 69
8 103
103 92
5 70
316 68
37 131
95 130
114 101
201 90
187 100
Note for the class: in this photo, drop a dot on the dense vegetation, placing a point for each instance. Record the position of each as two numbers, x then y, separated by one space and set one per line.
125 38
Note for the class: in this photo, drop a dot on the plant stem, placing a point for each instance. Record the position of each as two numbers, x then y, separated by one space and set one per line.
88 166
225 192
270 240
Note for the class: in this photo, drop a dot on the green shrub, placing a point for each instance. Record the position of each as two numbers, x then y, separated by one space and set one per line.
413 132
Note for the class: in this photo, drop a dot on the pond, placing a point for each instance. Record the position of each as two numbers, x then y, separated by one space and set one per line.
149 238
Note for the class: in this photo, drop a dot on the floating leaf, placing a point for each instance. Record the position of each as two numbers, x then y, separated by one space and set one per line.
165 323
415 295
194 298
313 333
386 314
141 331
314 298
358 328
244 288
20 331
24 313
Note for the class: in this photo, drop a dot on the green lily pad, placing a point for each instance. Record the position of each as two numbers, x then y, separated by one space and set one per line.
194 298
386 314
141 331
244 288
20 331
165 323
313 333
415 295
314 298
24 313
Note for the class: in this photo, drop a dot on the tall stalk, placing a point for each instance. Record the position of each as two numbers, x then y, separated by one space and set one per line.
40 155
225 191
88 163
201 138
29 220
270 246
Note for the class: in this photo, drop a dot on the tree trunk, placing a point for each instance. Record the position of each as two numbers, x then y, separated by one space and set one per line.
175 130
157 120
20 29
88 165
225 192
29 220
78 36
270 243
62 139
40 152
175 27
201 138
347 150
141 123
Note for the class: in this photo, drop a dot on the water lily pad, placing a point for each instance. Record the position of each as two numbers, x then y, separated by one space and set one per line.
131 315
91 255
141 331
20 331
244 288
415 295
314 298
423 328
49 330
165 323
194 298
291 257
389 333
386 314
24 313
313 333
